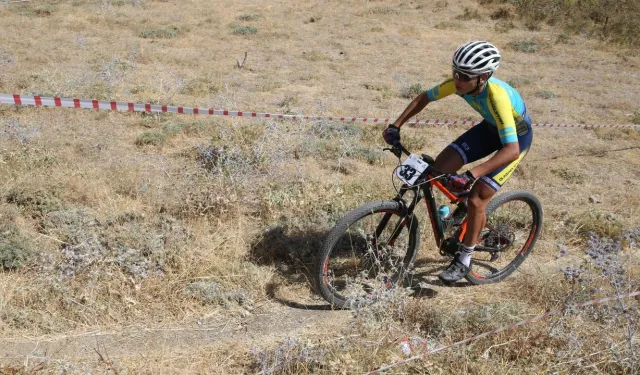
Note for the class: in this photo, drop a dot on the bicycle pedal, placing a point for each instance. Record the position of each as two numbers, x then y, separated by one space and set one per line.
494 257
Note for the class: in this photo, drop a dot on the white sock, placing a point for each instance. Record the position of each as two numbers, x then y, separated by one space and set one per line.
465 254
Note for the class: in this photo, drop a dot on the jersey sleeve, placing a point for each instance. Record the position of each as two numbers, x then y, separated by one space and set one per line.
500 108
446 88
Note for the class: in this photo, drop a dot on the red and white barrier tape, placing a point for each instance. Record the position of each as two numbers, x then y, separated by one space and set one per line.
520 323
136 107
14 1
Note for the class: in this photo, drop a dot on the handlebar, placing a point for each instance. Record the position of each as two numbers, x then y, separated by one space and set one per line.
398 149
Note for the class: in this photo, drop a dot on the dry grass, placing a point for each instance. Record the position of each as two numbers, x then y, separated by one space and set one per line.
113 220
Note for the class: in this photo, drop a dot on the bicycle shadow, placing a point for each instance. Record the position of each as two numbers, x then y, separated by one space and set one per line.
291 253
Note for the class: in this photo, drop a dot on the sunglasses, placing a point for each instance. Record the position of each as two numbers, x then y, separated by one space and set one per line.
458 75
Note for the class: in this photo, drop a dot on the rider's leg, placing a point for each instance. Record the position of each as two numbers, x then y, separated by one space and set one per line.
480 196
476 219
448 161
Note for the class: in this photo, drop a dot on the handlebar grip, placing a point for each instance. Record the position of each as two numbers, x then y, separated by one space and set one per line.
399 147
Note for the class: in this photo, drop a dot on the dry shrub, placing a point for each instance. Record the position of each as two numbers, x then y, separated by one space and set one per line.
504 26
151 138
198 199
527 46
293 356
15 248
160 33
139 247
502 13
459 323
210 292
35 201
626 134
447 25
592 221
617 20
385 10
569 175
602 336
470 14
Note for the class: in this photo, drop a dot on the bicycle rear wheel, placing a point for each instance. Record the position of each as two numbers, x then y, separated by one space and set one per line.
366 253
514 222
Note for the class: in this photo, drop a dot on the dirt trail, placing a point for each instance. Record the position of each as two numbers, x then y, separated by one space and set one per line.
272 322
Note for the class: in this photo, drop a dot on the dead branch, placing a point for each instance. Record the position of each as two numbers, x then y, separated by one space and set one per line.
241 64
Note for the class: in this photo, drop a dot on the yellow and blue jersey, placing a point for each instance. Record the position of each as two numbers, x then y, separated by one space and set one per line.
499 104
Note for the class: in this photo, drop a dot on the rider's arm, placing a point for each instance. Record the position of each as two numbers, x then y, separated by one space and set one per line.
412 109
508 153
500 107
437 92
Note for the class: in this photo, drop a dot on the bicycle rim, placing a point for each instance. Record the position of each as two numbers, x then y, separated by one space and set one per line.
513 225
366 259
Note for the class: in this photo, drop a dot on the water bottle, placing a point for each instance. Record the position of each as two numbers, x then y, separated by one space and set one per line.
443 214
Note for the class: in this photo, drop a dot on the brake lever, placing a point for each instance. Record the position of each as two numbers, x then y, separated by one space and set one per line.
395 150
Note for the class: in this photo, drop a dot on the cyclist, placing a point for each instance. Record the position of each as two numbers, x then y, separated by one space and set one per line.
506 128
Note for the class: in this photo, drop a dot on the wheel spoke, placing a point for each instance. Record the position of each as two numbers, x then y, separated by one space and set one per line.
368 258
504 241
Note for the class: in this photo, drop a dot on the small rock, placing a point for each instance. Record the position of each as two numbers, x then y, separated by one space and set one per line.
594 199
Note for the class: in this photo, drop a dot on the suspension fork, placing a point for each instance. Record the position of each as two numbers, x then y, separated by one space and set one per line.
402 222
436 223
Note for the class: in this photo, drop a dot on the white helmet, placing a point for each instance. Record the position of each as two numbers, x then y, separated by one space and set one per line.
476 58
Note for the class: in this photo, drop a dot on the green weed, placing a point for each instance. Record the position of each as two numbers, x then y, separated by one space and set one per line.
151 138
527 46
237 29
15 248
382 10
37 10
371 156
447 25
249 17
34 201
314 56
563 39
412 91
519 82
160 33
569 175
213 293
200 86
545 94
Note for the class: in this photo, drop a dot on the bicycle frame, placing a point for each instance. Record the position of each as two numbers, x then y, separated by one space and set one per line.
426 191
424 188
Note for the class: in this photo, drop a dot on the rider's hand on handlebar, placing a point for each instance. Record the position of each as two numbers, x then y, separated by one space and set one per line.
461 182
391 135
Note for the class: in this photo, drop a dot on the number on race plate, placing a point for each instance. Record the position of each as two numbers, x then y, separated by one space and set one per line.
411 169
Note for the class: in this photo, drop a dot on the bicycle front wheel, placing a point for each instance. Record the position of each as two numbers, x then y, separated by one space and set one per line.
514 222
366 253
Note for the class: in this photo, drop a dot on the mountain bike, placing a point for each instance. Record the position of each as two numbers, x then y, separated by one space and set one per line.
374 247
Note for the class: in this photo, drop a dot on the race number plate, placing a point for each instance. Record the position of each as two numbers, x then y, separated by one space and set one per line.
411 169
